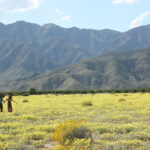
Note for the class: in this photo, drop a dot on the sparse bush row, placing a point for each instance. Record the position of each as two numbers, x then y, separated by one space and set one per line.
33 91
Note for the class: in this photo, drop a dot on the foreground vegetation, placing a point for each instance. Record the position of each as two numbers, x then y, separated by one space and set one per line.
77 122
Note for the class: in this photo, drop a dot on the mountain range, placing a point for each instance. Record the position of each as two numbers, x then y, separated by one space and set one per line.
50 57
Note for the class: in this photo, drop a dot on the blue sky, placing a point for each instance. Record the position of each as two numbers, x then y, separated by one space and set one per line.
120 15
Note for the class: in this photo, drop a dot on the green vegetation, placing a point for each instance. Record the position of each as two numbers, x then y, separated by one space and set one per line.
70 130
33 91
87 103
25 101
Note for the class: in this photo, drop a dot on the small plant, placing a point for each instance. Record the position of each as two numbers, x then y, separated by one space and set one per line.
35 136
61 147
121 100
124 129
81 133
103 130
70 130
38 144
25 101
87 103
82 144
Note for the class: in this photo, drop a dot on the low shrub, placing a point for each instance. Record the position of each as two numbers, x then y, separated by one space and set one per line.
82 144
80 133
70 130
143 136
35 136
121 100
25 101
103 130
87 103
38 144
124 129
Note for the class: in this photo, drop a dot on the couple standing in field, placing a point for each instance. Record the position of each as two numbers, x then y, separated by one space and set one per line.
9 100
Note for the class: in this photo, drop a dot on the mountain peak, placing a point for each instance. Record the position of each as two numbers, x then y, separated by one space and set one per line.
23 24
51 25
31 48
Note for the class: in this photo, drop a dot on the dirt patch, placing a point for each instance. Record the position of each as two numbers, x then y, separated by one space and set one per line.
50 145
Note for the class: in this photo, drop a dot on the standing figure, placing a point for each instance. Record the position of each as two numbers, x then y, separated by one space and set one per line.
1 102
10 100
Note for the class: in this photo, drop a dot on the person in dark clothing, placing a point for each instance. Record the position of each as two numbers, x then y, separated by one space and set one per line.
10 100
1 102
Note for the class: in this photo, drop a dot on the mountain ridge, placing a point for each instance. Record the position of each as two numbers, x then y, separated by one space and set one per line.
29 49
112 70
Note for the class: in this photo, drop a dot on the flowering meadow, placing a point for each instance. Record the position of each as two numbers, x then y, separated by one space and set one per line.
77 122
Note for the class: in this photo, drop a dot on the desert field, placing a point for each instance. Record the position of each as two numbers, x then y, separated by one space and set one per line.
77 122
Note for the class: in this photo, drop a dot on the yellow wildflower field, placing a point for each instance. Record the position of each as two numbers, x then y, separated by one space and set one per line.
116 121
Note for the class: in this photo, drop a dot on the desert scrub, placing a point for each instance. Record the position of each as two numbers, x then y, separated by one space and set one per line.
29 117
70 130
126 128
121 145
82 144
35 136
45 128
121 100
143 136
25 101
87 103
4 137
104 129
38 144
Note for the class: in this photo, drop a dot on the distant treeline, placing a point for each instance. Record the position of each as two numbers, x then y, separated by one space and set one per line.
33 91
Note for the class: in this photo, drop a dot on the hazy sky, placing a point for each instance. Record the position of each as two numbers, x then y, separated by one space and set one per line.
97 14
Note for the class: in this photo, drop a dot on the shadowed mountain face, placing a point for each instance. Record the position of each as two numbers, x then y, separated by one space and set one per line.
112 70
29 49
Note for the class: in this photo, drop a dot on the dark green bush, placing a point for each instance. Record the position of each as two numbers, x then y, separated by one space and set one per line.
82 132
25 94
32 91
25 101
87 103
